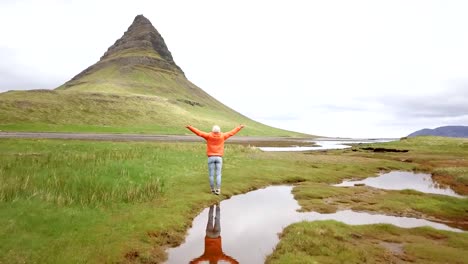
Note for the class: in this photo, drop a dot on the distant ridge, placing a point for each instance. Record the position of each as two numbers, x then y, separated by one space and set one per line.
444 131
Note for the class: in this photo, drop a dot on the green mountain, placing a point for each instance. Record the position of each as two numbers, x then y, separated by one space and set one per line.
135 87
444 131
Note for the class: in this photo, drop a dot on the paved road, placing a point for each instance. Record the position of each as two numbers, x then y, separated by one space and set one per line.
266 141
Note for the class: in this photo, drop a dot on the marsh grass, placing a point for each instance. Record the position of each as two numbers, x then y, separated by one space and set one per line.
69 174
329 199
74 177
334 242
102 198
446 158
108 199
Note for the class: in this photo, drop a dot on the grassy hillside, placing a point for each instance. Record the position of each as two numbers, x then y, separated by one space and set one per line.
76 111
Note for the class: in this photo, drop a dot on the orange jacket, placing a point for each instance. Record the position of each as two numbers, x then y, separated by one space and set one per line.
214 252
215 141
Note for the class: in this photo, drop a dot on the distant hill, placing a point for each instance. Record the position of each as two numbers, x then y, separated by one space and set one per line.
135 87
445 131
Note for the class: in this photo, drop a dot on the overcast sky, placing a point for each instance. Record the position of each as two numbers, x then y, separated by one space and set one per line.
334 68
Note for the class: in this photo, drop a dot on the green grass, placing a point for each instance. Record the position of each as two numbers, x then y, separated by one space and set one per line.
460 174
312 197
104 176
334 242
134 52
107 199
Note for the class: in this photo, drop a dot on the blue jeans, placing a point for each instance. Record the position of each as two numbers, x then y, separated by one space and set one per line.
215 165
214 231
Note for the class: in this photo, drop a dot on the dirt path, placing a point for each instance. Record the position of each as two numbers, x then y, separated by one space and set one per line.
257 141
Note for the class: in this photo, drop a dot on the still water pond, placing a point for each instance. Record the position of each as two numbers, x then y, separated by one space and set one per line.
400 180
245 227
327 144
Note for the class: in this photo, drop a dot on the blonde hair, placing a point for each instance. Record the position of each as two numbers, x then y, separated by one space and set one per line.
216 129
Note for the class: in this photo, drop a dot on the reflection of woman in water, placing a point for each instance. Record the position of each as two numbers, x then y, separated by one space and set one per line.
213 249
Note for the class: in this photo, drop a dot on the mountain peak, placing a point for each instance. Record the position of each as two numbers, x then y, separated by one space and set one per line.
141 35
141 46
141 19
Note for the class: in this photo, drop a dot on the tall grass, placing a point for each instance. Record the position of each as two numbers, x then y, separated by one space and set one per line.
95 173
68 176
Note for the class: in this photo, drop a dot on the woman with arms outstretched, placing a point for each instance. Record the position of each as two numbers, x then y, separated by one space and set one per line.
215 151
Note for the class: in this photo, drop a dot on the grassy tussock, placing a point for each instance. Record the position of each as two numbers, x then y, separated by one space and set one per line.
460 173
334 242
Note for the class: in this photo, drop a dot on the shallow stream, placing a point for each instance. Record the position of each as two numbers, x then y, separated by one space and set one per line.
245 227
400 180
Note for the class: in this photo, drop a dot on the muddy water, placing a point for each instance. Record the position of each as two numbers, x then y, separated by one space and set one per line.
400 180
245 227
